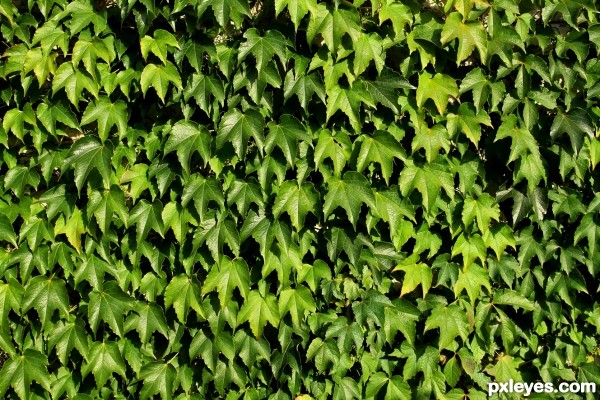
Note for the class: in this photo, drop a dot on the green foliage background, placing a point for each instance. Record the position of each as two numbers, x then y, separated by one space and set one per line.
296 200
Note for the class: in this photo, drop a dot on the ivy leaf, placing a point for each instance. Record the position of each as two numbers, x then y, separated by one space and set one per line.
296 8
104 205
428 180
159 77
104 359
471 279
187 137
470 248
523 142
110 304
82 15
576 124
147 216
381 148
19 177
286 134
484 209
7 232
297 302
589 229
216 230
348 193
88 154
158 44
202 191
313 274
384 89
452 322
349 101
297 201
468 122
336 146
499 237
432 140
149 319
237 127
73 80
183 294
439 88
73 229
51 113
395 387
505 369
243 193
20 371
68 335
229 275
263 48
158 379
304 86
46 295
470 35
415 274
332 26
368 48
259 310
107 114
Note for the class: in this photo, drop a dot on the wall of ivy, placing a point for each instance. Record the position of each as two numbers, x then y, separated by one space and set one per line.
298 199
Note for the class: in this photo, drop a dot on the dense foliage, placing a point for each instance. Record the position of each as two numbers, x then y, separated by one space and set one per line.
295 199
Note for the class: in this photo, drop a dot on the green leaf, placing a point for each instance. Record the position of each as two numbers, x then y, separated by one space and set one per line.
332 26
185 138
158 44
381 148
18 178
88 154
470 35
229 274
68 335
470 247
158 379
183 294
468 122
263 48
576 124
159 77
348 193
7 232
297 201
82 15
297 302
107 114
432 140
237 127
73 80
286 134
368 48
336 146
415 274
202 191
471 279
110 304
46 295
589 229
147 216
452 322
296 8
484 209
505 369
259 310
73 229
103 361
439 88
349 102
428 180
20 371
